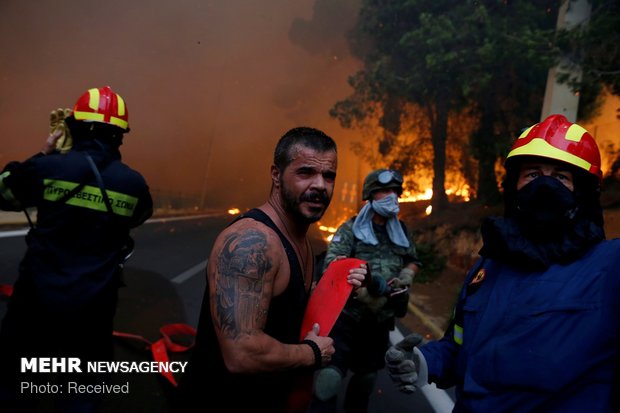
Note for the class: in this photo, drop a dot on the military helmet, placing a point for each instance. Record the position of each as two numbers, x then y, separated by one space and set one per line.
382 179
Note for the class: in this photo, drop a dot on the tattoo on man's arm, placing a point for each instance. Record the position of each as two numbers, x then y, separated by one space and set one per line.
239 282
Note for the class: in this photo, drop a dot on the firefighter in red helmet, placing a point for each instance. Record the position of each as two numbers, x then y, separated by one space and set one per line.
87 202
557 138
537 324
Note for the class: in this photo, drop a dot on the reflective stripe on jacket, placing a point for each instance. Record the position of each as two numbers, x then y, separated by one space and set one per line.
74 249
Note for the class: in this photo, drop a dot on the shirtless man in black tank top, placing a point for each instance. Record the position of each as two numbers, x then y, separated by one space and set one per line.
247 352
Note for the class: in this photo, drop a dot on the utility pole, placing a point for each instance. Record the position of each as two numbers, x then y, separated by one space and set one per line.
560 99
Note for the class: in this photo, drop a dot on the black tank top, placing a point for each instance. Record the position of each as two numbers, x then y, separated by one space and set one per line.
208 380
286 311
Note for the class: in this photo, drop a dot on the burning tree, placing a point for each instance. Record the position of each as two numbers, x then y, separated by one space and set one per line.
435 69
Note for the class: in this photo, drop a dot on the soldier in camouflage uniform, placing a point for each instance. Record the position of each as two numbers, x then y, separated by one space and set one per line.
361 333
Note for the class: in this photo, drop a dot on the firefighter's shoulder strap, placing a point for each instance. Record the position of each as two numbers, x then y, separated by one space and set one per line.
104 194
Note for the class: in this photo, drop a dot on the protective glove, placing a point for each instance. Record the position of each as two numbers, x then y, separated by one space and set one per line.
373 302
57 123
404 279
406 364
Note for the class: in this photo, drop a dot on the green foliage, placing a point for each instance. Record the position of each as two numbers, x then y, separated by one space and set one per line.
438 58
594 49
429 63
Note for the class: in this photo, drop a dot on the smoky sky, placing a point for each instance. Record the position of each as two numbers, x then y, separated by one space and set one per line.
210 85
325 32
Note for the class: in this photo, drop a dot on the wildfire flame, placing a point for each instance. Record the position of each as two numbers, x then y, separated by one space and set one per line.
233 211
462 192
329 230
408 196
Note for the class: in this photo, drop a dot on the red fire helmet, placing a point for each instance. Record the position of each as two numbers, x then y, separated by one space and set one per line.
557 138
102 105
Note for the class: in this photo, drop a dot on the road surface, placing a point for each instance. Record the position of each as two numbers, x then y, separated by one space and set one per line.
164 285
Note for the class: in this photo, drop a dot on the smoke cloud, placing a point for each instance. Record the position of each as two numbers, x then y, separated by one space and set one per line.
210 85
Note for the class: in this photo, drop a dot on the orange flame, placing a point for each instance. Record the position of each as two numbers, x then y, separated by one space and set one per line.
462 192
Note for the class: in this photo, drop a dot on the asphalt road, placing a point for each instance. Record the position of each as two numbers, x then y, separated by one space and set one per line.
164 285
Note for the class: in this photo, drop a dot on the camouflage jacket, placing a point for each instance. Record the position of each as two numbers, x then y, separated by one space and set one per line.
385 259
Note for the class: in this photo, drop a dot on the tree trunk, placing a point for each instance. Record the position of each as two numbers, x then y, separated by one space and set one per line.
439 134
488 192
390 121
484 147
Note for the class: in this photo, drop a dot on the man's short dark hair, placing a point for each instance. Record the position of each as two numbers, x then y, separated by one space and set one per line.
307 137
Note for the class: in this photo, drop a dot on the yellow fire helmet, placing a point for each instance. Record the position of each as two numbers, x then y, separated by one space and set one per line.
557 138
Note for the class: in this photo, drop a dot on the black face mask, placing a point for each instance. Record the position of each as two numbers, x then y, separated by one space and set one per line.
545 206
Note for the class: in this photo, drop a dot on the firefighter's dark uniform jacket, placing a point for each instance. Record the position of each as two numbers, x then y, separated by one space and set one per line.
545 341
64 299
75 248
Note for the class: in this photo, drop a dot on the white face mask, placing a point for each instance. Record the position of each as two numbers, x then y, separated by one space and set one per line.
386 207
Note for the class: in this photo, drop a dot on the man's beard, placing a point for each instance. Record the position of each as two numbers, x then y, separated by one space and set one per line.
292 204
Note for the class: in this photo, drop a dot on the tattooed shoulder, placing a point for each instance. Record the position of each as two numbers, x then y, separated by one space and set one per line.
243 280
245 254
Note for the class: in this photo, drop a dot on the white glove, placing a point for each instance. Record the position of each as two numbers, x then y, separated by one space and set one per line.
406 364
